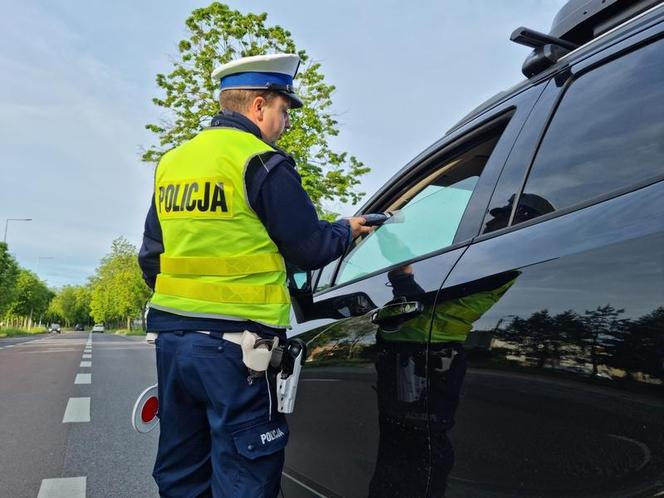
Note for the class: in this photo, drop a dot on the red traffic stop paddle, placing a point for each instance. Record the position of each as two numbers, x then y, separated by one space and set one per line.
144 415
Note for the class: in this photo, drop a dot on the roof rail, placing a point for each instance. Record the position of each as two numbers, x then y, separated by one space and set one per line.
576 23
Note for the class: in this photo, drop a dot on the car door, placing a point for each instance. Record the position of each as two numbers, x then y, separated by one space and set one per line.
561 296
360 426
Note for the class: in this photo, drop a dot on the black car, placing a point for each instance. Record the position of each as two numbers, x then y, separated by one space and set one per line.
504 335
78 327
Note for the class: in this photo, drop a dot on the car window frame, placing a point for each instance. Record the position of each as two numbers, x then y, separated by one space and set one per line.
571 76
424 165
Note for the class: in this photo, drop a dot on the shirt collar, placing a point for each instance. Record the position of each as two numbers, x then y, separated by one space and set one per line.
231 119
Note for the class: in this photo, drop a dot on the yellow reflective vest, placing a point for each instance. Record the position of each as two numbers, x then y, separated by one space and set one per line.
218 259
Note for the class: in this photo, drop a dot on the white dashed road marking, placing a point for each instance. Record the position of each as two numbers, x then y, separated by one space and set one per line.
78 410
65 487
10 346
83 379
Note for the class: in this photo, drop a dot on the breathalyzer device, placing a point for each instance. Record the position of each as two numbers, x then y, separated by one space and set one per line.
293 357
377 219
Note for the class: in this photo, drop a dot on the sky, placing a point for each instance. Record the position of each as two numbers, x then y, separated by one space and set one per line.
78 78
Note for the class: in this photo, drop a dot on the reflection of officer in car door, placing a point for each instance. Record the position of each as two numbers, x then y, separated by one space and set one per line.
402 458
228 209
452 321
405 423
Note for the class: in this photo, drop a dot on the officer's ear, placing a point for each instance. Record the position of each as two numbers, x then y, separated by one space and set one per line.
257 107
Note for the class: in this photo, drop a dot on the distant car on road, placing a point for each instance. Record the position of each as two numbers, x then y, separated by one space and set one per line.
78 326
54 328
99 327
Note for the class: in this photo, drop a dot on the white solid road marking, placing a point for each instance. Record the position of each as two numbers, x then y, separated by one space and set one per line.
301 484
78 410
83 379
24 351
86 364
86 356
64 487
10 346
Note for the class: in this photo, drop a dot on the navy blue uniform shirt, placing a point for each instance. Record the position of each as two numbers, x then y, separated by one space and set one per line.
275 193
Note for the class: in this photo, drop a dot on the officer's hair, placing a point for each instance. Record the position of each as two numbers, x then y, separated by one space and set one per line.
240 100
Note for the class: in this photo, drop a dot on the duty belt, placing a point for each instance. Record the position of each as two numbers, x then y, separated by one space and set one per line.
234 337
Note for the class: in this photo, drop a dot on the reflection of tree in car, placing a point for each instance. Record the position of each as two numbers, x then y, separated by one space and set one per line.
597 342
408 421
530 206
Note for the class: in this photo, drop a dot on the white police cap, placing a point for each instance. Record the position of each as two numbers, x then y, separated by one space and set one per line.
261 72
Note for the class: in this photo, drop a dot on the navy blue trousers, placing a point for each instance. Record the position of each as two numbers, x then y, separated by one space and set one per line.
220 434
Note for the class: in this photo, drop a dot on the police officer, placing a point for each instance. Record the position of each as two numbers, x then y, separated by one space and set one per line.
228 211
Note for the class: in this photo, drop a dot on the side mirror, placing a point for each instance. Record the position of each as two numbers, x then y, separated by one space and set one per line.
299 282
300 290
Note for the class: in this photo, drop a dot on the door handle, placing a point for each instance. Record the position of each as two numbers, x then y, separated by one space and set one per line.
397 312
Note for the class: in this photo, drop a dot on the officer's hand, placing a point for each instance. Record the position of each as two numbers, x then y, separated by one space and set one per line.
357 226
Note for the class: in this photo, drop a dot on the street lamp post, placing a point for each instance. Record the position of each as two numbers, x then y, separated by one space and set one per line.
7 225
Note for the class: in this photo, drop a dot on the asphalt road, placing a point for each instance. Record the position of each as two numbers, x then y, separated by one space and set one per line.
44 455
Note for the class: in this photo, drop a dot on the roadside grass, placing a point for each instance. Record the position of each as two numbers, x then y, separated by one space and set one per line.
128 332
13 332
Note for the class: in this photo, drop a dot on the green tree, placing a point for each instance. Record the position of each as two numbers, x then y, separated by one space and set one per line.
117 290
62 305
83 296
218 34
71 305
9 271
31 299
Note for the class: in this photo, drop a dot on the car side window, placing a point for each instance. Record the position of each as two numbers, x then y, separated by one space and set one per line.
607 134
429 214
326 274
